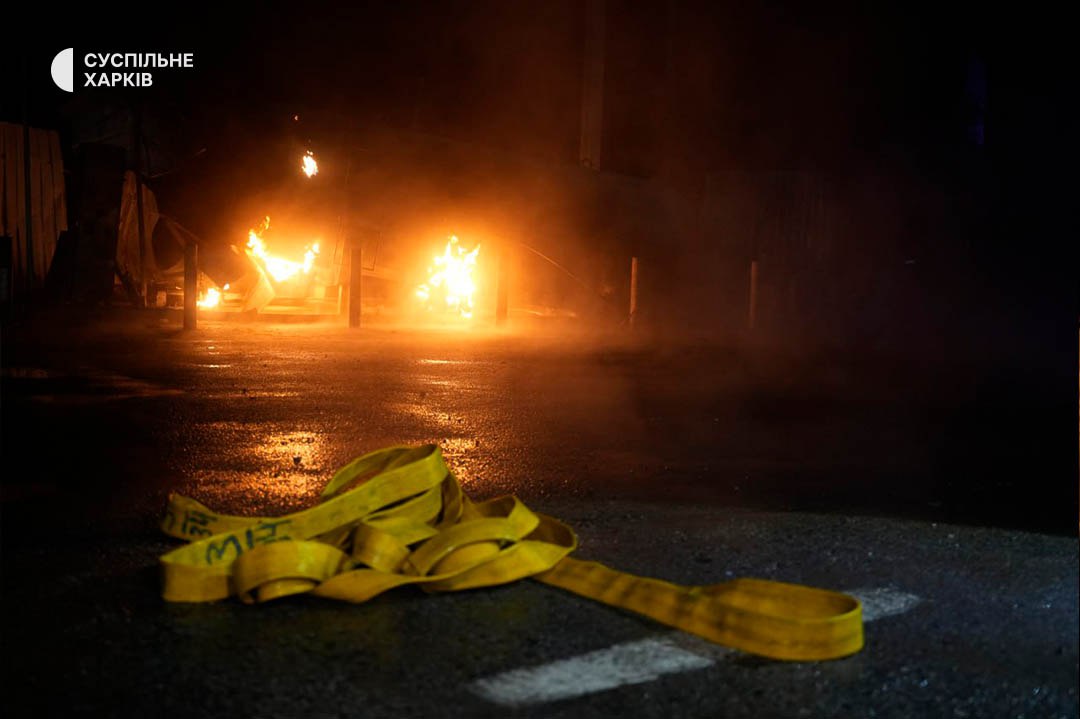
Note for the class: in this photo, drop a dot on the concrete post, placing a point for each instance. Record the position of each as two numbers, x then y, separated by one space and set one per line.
592 86
356 283
752 312
191 284
501 290
136 145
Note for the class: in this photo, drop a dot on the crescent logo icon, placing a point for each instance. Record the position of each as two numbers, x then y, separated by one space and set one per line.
63 70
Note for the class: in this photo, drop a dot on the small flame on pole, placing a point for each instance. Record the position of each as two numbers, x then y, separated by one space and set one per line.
308 165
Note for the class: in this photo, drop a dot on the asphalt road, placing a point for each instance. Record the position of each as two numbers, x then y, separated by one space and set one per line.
688 462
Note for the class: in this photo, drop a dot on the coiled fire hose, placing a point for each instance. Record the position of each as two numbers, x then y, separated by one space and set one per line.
398 516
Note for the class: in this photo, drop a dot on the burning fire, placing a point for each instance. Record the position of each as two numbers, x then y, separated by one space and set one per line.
452 277
213 297
279 268
308 165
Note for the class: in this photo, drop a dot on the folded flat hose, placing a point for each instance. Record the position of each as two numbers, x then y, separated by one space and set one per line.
398 516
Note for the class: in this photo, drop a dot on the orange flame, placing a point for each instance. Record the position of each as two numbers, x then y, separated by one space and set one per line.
213 297
279 268
452 277
308 165
211 300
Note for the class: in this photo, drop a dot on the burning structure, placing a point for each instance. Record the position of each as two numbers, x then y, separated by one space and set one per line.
451 284
268 274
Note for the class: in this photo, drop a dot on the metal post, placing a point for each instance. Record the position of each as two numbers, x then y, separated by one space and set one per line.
191 283
592 86
28 181
633 290
356 283
342 240
501 299
136 135
752 314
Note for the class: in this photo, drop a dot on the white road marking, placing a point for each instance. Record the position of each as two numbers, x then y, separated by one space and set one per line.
640 661
883 602
628 663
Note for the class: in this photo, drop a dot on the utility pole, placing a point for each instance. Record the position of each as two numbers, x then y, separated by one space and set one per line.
501 291
28 181
356 282
751 315
592 86
136 142
191 283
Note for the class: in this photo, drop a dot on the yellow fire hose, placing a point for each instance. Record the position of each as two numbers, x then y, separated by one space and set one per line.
398 516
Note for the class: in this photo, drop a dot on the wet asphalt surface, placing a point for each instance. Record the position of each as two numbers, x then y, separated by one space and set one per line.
689 462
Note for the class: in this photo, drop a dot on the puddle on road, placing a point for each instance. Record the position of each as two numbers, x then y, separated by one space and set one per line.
246 393
275 448
472 467
423 420
262 472
447 362
299 448
455 446
455 384
252 494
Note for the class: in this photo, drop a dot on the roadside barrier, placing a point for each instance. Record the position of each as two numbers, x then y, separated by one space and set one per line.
398 516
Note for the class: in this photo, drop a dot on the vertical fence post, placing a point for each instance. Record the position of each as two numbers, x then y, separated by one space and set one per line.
752 312
356 282
501 290
191 283
633 290
136 140
28 231
592 86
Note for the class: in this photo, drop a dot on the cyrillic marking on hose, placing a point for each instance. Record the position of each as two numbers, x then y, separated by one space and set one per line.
262 533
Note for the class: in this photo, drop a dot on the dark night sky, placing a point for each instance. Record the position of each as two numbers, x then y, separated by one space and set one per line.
692 87
690 84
